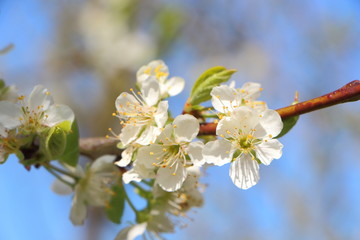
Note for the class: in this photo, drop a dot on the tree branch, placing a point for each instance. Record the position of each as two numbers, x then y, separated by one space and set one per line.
94 147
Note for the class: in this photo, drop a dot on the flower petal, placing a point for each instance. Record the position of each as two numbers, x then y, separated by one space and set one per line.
104 163
223 98
149 154
40 97
3 132
148 136
78 210
218 152
171 179
186 128
267 151
126 157
150 70
10 114
271 122
125 103
244 172
57 114
130 233
151 92
173 86
129 134
165 137
161 114
195 152
61 188
251 91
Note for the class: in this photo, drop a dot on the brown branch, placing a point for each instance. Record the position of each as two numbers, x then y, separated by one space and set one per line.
350 92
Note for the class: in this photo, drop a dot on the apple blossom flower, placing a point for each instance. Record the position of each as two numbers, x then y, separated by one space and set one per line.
35 113
247 142
158 70
226 99
173 152
166 207
142 115
93 188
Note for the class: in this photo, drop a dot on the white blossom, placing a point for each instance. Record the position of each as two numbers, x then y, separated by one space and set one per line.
247 141
173 152
226 99
92 189
157 70
34 113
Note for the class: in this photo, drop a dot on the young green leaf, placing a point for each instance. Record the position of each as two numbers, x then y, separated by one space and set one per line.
207 81
115 209
289 123
71 153
53 142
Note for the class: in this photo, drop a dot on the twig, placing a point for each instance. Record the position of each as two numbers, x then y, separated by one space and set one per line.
348 93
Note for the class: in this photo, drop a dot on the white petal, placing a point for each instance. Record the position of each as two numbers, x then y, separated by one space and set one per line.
271 122
267 151
166 135
148 71
218 152
195 152
186 128
251 91
78 210
223 98
3 132
171 179
10 114
129 134
61 188
151 92
130 176
148 136
126 157
130 233
173 86
150 154
57 114
40 97
103 164
161 114
125 103
244 172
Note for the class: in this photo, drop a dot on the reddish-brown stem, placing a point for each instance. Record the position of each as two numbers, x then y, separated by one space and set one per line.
94 147
348 93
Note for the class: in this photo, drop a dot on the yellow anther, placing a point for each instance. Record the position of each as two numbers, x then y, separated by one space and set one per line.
47 93
107 136
113 114
21 97
109 129
260 115
228 132
174 174
174 126
222 135
216 121
151 153
131 90
270 136
164 149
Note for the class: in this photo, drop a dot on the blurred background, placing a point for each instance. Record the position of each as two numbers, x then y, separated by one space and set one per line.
87 53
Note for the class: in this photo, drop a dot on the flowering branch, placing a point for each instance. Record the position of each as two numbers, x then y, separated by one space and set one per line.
91 147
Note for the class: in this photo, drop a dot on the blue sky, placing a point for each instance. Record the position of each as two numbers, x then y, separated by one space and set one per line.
312 192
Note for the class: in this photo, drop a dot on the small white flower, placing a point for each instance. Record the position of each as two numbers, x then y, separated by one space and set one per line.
173 152
34 113
247 139
226 99
92 189
141 114
159 71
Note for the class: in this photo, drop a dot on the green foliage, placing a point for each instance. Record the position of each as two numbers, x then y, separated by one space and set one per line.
207 81
289 123
53 142
115 209
71 153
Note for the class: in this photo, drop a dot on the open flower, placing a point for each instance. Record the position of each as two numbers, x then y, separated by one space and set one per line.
226 99
141 114
157 70
35 113
173 152
93 188
247 141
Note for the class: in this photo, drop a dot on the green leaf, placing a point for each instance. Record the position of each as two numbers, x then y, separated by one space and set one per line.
207 81
71 153
289 123
53 142
115 209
